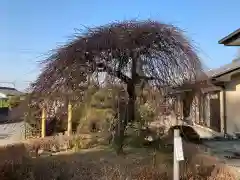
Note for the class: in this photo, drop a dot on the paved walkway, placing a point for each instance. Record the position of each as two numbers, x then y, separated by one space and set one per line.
205 132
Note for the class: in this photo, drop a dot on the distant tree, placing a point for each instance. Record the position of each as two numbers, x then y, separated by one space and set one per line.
14 101
134 52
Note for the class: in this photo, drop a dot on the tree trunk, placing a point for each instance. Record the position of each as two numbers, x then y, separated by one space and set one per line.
131 102
129 116
131 86
120 127
119 138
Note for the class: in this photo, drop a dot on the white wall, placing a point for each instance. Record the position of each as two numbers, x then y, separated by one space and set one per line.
233 105
2 95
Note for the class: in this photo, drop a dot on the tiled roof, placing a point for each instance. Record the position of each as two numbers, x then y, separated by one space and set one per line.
230 38
10 91
235 64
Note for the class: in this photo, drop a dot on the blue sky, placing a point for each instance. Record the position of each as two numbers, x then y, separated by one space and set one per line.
30 28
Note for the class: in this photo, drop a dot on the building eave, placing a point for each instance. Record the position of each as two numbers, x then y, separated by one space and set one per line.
231 38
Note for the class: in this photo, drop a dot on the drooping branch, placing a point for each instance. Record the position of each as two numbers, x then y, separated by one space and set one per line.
117 74
129 51
168 57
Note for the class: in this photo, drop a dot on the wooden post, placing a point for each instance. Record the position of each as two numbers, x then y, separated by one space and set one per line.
69 119
43 122
177 152
175 160
179 109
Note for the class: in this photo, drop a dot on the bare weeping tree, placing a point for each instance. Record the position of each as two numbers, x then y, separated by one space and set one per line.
133 52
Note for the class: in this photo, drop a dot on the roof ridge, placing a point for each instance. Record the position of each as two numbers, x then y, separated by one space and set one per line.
9 88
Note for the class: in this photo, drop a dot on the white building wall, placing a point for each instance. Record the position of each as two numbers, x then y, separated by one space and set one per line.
233 105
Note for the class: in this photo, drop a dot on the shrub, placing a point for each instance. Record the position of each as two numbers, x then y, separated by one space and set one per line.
80 142
14 101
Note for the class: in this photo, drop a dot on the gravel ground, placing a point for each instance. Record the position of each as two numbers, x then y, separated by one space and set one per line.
11 132
227 150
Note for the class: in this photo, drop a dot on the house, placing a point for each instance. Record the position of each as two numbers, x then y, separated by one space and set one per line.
232 39
5 94
8 92
224 103
218 106
221 100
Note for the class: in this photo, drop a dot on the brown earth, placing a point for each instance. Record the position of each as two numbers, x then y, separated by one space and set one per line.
103 163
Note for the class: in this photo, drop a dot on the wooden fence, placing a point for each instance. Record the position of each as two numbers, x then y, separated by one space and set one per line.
34 132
